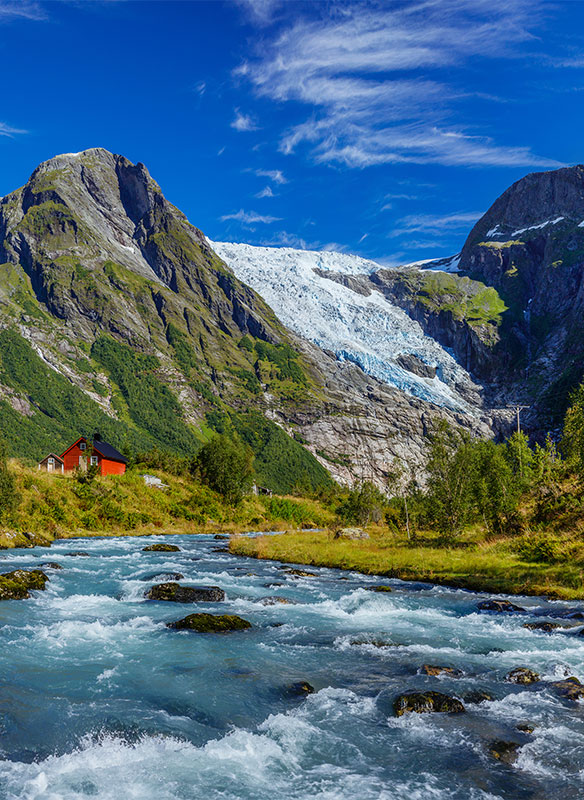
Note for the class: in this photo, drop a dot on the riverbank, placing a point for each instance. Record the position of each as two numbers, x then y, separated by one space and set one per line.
55 506
482 566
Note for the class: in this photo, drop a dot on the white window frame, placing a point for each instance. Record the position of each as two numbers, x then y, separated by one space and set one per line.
51 461
94 461
83 445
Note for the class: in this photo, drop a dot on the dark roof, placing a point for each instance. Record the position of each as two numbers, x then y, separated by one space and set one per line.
107 451
51 455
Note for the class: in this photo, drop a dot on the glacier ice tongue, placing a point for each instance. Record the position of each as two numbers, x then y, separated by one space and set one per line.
368 331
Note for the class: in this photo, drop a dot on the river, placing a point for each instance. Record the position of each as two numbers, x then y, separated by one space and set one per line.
99 699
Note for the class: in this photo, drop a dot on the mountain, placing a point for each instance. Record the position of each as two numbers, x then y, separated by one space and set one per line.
498 324
117 314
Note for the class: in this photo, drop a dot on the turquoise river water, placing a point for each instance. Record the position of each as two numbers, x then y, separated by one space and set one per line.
98 699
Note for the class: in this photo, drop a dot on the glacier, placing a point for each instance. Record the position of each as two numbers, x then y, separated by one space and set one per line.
366 330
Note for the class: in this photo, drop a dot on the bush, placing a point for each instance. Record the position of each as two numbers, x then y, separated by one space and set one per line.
540 549
225 464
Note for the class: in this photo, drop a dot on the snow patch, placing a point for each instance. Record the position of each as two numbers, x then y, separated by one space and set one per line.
368 331
493 232
538 227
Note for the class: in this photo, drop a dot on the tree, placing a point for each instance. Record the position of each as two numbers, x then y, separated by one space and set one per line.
494 487
520 457
450 476
8 494
225 464
364 504
573 436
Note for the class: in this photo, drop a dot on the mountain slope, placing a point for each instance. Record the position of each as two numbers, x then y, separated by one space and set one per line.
117 314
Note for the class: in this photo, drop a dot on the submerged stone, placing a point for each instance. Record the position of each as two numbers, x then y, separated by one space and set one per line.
426 702
78 553
525 727
522 675
378 587
499 606
210 623
433 670
175 593
506 752
221 536
161 548
50 565
16 585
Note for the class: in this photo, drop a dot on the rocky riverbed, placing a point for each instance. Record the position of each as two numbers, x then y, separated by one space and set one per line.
256 680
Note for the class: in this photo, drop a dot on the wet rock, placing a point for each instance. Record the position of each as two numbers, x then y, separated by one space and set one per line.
477 696
351 533
50 565
426 702
499 606
522 675
78 553
221 536
274 600
548 627
161 548
219 549
373 643
300 573
274 583
570 688
16 585
525 727
505 752
299 689
433 670
163 576
210 623
175 593
378 587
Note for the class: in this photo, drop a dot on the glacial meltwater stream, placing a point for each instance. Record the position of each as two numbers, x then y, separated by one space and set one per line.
99 699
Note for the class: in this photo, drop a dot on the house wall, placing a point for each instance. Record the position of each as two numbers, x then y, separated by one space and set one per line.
71 457
111 467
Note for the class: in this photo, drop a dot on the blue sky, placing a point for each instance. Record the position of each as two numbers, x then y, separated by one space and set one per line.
380 128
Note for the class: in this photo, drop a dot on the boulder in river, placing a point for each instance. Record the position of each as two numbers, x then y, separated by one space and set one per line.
300 573
570 688
175 593
522 675
161 547
477 696
221 536
351 533
163 576
15 585
525 727
300 689
505 752
78 554
274 600
210 623
50 565
434 671
425 702
499 606
547 627
378 587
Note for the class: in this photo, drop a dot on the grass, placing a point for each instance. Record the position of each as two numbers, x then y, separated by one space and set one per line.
491 566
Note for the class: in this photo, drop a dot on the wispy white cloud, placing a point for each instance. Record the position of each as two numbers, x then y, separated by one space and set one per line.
266 192
14 9
7 130
362 73
274 175
362 239
243 122
261 12
249 217
436 223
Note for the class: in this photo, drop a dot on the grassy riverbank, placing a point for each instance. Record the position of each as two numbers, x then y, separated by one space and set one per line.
492 566
54 506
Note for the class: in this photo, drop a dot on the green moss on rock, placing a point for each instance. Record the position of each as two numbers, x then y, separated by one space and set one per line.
210 623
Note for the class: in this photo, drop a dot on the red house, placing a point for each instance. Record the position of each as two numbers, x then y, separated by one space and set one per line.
83 453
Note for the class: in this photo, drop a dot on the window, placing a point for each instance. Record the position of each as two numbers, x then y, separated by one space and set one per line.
52 461
82 445
94 461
